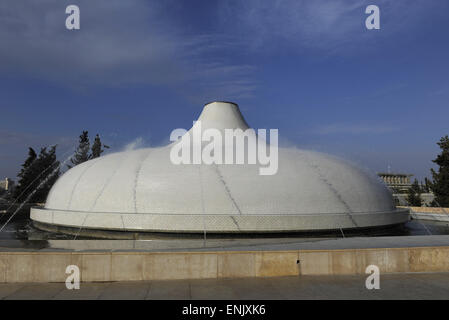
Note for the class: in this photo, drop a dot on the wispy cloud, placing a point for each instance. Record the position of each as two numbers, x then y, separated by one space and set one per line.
440 91
20 138
333 26
143 42
340 128
119 43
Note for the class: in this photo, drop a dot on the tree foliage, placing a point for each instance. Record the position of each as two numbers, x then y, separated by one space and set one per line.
427 185
414 195
97 148
25 175
40 172
440 184
37 176
82 151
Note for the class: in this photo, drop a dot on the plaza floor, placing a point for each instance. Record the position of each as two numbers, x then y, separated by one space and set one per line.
392 286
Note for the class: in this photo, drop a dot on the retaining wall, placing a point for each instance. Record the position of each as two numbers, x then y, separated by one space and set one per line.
430 213
134 266
428 210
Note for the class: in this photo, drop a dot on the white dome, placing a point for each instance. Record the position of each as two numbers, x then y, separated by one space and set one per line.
142 190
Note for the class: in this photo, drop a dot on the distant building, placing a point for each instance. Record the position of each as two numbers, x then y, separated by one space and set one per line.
399 184
6 184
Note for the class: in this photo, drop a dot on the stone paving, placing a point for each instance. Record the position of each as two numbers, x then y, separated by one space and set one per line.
392 286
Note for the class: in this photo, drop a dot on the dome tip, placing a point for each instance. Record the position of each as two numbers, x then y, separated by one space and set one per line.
221 101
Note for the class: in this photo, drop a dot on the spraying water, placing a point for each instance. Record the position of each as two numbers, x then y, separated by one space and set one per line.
31 183
82 225
35 190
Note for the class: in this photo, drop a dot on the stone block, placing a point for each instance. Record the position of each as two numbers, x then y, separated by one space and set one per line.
126 267
277 264
343 262
20 267
430 259
366 257
236 265
314 263
397 260
96 267
3 267
163 266
51 267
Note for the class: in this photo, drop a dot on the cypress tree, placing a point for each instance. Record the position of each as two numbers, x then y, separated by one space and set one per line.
82 152
38 175
414 195
440 184
96 148
26 176
427 184
48 164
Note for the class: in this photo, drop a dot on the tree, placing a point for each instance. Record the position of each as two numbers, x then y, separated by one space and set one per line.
31 157
82 152
440 184
25 175
96 148
37 176
414 195
427 185
46 163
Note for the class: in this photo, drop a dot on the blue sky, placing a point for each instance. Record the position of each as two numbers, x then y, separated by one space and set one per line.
136 70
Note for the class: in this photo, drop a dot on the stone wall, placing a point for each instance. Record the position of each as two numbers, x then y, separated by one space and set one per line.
135 266
429 210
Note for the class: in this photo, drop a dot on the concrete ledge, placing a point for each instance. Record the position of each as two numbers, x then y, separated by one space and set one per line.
442 217
135 266
439 210
429 213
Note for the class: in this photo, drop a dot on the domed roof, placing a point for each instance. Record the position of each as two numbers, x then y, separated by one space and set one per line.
143 190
